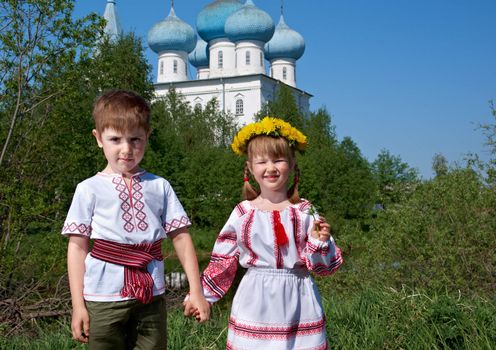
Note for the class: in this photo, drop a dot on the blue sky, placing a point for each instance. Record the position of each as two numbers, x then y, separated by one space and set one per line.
411 76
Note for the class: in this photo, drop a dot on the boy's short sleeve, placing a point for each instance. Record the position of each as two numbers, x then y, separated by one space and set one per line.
79 217
175 217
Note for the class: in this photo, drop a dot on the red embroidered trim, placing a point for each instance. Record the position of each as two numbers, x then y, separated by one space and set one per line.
176 223
219 274
230 346
75 228
246 237
276 332
131 204
227 237
323 269
305 205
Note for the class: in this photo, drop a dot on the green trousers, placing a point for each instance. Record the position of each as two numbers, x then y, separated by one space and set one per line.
123 325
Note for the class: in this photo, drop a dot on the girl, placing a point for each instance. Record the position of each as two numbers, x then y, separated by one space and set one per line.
279 238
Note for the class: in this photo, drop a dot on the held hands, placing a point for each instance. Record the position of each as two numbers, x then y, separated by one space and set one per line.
198 307
321 230
80 325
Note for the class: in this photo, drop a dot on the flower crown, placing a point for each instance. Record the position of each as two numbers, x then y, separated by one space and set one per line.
271 127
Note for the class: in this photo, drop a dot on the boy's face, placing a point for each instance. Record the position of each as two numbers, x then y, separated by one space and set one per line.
123 150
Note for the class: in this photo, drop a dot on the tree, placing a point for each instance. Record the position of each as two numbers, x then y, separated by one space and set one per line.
36 38
284 107
54 149
394 178
440 165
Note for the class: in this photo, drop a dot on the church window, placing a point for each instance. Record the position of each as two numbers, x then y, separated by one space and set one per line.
284 73
161 67
198 106
220 61
175 66
239 106
248 58
261 59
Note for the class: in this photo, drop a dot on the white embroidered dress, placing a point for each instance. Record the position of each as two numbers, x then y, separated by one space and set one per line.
103 207
277 305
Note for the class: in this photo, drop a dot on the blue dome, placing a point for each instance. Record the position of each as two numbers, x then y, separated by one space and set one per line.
249 23
199 56
211 20
171 34
286 43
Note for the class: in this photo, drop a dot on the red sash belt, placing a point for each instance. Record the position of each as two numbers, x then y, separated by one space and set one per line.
138 282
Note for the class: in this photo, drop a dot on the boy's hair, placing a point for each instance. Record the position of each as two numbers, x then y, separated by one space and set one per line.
275 147
121 110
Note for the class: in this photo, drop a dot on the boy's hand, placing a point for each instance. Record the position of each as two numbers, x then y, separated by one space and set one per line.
198 307
80 325
189 309
321 229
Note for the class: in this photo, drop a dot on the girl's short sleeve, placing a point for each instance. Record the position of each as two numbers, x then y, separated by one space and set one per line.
174 216
80 215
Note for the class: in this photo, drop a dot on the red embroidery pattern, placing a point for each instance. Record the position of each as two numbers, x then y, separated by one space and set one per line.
305 205
75 228
138 204
246 237
230 346
324 269
176 223
296 222
227 237
240 209
282 332
220 273
130 203
322 250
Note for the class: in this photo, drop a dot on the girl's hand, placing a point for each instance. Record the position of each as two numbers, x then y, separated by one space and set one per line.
198 307
321 229
80 325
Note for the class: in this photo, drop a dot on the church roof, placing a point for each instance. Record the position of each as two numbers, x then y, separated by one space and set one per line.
173 34
199 56
285 43
212 18
113 27
249 23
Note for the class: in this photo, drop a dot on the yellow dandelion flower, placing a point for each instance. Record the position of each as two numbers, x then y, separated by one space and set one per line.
268 126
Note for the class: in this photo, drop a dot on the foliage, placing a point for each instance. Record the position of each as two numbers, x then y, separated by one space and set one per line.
441 237
191 149
53 148
335 176
37 40
283 107
409 319
440 165
394 178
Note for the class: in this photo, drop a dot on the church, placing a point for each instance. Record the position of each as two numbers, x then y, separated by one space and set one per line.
241 57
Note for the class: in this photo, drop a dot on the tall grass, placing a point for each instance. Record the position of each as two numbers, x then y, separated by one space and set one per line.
371 319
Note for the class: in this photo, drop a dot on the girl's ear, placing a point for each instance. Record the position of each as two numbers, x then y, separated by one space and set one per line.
98 137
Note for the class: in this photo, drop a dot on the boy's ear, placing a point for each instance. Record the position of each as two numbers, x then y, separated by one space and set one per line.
98 137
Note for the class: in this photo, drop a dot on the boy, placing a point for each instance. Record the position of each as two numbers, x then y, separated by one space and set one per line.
117 289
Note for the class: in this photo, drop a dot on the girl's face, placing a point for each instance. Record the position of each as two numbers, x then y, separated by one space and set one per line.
270 172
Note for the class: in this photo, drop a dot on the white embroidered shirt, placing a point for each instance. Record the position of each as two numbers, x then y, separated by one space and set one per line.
103 207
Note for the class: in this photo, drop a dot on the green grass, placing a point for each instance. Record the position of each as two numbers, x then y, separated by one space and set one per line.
372 319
